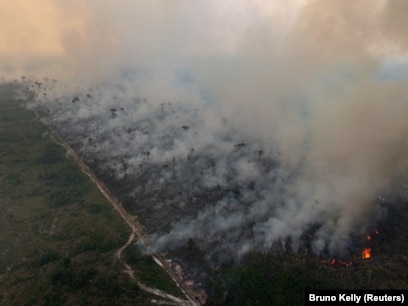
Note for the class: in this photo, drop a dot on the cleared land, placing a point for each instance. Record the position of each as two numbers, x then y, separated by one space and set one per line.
59 237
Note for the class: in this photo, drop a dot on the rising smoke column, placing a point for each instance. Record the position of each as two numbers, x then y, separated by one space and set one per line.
300 82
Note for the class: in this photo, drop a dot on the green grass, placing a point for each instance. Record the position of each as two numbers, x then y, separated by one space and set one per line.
58 233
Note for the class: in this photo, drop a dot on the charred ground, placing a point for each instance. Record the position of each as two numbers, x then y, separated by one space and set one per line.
162 185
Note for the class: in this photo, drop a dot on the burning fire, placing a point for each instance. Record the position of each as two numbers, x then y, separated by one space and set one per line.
338 262
366 253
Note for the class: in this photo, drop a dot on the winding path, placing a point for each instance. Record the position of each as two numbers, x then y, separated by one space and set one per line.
137 231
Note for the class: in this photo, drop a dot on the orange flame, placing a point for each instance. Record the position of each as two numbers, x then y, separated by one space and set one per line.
366 253
337 262
368 237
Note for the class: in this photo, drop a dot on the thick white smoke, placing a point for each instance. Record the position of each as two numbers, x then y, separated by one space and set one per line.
169 93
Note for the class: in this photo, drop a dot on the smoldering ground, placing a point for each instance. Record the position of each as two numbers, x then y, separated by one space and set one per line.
244 125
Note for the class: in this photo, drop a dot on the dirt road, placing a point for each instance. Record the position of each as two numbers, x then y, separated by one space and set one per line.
137 231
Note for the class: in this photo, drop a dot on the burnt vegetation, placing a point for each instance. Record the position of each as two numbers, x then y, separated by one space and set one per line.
210 204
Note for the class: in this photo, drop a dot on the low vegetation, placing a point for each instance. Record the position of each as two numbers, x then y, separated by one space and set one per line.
58 234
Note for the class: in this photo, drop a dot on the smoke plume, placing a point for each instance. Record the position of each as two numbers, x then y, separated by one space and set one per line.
242 124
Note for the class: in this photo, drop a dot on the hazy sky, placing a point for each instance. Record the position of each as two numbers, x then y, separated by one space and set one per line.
103 31
99 35
30 28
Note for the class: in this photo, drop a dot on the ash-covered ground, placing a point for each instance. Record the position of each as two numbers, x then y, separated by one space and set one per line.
193 178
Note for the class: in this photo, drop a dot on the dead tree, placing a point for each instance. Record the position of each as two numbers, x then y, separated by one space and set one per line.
76 99
251 227
124 164
260 152
240 145
211 163
174 166
113 113
162 107
190 154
